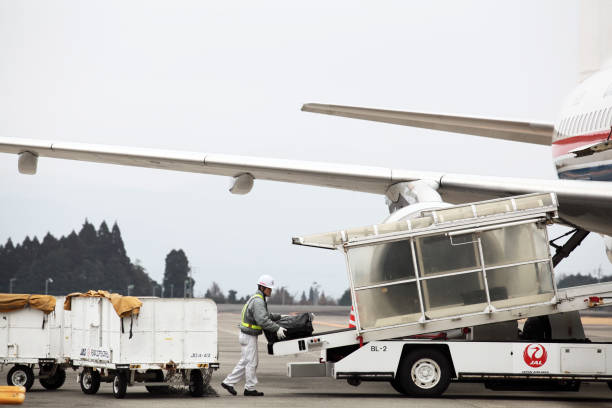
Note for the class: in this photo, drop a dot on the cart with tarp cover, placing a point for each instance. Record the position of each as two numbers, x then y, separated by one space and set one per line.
32 336
154 342
435 292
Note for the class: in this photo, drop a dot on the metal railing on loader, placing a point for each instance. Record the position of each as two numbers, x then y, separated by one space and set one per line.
461 266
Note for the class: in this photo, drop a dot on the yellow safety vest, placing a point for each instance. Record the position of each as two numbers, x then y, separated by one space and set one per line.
244 309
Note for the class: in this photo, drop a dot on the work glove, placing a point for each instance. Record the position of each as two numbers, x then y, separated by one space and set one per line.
281 333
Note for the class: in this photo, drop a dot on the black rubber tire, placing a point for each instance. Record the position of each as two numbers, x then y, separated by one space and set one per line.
89 381
397 386
610 385
120 383
435 366
155 389
196 383
53 383
21 375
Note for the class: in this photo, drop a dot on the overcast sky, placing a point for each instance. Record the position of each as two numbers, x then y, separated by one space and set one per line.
230 77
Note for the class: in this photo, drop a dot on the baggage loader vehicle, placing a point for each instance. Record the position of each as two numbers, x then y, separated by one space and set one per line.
437 298
166 342
33 337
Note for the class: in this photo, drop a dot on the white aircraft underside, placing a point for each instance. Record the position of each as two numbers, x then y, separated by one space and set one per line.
579 143
581 203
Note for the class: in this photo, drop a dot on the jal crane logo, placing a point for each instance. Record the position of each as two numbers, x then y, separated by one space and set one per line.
535 355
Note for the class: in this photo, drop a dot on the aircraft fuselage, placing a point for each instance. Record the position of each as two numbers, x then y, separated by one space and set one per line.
581 147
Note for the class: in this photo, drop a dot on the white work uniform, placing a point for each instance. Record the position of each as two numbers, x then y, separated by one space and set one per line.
247 366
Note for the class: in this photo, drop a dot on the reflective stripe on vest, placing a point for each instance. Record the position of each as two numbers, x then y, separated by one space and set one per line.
244 309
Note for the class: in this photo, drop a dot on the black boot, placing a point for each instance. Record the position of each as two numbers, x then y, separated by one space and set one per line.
253 393
229 388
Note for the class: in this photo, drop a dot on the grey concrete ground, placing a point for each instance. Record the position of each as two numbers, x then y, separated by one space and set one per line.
286 392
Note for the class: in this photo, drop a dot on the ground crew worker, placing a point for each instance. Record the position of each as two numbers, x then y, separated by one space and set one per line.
255 319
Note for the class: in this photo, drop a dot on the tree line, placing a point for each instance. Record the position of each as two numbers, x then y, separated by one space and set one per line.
96 259
281 296
90 259
578 279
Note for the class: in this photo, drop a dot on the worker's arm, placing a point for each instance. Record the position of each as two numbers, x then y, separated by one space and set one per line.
262 317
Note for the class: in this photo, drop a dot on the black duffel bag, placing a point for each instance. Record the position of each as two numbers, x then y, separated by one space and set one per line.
297 326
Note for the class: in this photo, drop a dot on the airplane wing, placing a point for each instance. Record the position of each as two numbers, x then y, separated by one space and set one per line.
583 203
528 132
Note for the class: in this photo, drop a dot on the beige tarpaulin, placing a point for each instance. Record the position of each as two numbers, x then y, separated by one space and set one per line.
10 302
124 305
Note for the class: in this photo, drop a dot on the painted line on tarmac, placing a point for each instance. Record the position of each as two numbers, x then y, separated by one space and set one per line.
342 326
591 320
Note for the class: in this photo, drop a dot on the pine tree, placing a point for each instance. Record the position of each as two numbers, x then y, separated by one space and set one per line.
176 274
49 244
345 299
117 241
231 296
9 245
7 265
215 293
88 234
281 296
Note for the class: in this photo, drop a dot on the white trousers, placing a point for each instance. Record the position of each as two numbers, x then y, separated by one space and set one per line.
247 366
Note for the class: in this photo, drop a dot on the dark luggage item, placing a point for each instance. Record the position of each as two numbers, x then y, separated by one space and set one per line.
297 326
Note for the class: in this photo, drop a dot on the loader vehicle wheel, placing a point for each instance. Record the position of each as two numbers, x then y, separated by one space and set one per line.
120 383
424 373
159 377
56 381
21 375
196 383
90 381
397 386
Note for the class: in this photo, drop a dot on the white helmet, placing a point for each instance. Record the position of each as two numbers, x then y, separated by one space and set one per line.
266 281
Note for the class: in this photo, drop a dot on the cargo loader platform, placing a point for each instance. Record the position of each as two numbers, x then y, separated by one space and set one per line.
466 265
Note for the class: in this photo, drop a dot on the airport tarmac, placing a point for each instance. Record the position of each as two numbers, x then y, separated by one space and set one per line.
282 391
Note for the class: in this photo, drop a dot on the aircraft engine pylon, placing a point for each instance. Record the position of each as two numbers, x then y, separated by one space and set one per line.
408 193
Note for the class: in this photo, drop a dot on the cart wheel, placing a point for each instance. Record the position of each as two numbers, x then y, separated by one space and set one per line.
120 384
424 373
21 375
53 383
90 381
196 383
157 389
397 386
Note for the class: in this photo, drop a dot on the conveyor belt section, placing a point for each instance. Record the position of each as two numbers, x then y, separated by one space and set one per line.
316 342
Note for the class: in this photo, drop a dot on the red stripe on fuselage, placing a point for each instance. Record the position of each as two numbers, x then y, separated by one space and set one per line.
562 146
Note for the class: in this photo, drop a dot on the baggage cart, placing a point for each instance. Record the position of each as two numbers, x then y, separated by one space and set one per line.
31 339
170 341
